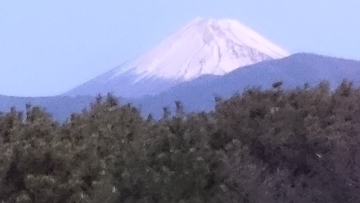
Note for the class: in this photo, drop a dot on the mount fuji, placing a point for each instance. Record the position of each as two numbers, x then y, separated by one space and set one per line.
202 47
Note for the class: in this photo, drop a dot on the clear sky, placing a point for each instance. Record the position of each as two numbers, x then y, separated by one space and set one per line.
49 47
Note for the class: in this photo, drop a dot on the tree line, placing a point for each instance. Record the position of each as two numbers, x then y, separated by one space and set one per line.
276 145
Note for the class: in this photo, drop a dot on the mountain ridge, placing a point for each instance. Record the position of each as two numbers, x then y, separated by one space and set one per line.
294 71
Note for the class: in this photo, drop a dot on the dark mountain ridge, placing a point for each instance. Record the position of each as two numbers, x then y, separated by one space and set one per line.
294 71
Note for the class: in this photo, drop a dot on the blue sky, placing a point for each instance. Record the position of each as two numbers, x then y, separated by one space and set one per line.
49 47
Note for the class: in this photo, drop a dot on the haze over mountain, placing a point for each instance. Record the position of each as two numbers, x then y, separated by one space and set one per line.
202 47
198 94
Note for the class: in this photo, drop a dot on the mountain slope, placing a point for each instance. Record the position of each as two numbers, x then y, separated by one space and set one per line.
294 71
202 47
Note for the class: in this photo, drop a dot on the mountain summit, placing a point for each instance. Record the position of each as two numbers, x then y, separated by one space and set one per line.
202 47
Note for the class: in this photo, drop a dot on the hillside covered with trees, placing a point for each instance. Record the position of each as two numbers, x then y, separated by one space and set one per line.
274 146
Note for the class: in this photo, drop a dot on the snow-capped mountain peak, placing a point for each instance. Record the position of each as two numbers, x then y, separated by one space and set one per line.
201 47
204 47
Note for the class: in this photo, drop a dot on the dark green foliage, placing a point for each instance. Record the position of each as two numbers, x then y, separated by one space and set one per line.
299 145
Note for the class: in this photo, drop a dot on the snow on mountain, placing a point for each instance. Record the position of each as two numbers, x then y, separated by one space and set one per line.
202 47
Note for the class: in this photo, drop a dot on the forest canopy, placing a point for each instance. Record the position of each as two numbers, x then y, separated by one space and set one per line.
299 145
